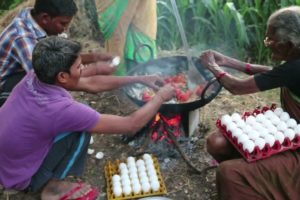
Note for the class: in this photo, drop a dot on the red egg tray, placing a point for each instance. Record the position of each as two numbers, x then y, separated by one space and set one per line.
267 151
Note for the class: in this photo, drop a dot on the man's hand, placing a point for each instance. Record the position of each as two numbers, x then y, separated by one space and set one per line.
152 81
166 92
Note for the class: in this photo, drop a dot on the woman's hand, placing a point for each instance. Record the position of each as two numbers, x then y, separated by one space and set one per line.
153 81
208 60
166 92
219 58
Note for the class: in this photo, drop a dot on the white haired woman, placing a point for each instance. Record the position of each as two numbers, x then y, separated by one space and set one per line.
277 177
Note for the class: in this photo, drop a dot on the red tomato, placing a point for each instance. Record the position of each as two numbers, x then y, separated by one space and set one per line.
199 89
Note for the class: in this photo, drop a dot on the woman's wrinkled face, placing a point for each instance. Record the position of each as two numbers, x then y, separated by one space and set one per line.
280 50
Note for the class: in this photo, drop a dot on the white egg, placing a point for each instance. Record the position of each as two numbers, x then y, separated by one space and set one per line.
127 190
91 151
140 162
147 156
141 168
146 187
225 120
122 166
247 129
151 172
92 140
289 133
257 126
253 135
150 168
260 117
263 132
236 117
116 178
291 123
136 188
149 163
278 111
130 159
242 138
297 129
272 129
124 172
267 123
279 136
125 182
248 146
269 140
133 176
155 186
99 155
241 123
135 181
144 179
269 114
115 61
237 132
153 178
250 120
282 126
142 174
124 177
284 116
275 120
132 171
231 126
116 184
117 191
131 165
260 142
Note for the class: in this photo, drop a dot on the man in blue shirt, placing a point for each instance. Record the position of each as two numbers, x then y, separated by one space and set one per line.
48 17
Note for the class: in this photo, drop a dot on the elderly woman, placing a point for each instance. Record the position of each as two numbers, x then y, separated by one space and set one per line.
277 177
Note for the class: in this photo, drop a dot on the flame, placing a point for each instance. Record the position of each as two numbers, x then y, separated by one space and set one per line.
162 126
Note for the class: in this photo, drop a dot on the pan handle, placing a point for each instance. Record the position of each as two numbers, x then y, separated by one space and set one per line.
138 49
212 81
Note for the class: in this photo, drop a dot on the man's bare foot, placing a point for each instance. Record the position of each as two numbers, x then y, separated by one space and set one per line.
56 189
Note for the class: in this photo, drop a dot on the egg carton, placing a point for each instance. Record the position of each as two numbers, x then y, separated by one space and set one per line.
112 168
267 151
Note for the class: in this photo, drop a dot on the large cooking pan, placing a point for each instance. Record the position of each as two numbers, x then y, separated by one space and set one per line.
170 66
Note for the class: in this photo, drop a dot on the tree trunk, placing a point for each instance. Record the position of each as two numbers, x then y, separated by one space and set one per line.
85 23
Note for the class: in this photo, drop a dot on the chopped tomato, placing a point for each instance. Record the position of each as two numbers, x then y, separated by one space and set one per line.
199 89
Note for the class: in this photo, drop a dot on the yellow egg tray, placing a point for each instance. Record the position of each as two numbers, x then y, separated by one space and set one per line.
112 168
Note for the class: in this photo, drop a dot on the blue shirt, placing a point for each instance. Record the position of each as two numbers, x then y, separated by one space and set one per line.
17 42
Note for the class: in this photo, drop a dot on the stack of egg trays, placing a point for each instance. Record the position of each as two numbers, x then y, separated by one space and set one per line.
112 168
267 151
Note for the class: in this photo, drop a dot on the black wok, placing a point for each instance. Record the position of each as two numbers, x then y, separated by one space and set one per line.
171 66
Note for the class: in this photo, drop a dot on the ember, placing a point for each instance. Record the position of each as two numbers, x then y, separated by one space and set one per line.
162 126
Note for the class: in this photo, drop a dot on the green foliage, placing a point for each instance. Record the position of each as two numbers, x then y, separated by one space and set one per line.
234 27
8 4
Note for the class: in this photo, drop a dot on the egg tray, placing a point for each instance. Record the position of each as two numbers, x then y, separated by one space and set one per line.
112 168
267 151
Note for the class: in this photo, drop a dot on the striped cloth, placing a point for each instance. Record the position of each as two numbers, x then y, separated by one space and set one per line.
17 42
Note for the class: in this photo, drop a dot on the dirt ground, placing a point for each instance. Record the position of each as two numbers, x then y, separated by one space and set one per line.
181 182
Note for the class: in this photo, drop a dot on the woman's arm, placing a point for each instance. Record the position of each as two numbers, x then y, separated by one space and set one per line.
233 63
233 84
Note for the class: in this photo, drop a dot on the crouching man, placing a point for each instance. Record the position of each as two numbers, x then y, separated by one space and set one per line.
34 154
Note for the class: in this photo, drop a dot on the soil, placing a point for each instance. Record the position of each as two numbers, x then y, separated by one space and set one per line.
181 182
